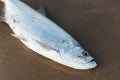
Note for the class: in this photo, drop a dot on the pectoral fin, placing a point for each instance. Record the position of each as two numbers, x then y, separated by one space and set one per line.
21 37
42 45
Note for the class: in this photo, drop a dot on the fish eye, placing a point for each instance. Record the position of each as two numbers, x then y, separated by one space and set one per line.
85 53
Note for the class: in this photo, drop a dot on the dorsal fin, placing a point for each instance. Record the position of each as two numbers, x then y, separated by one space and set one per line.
41 10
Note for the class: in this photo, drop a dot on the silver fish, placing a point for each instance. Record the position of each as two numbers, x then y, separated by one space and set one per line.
45 37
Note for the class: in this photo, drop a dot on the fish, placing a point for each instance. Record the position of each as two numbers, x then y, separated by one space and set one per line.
45 37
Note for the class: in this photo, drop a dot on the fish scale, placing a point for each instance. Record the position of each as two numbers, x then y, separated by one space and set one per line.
39 31
42 36
46 24
36 32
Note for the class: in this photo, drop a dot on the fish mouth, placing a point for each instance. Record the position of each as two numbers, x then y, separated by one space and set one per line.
93 60
88 65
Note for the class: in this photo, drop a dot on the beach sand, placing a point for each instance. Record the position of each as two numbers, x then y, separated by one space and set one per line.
94 23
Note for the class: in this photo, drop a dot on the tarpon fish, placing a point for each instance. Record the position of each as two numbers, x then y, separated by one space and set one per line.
44 37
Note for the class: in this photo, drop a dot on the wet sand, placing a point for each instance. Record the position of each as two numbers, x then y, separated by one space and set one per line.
94 23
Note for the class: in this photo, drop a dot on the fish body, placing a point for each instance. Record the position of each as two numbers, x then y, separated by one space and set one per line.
45 37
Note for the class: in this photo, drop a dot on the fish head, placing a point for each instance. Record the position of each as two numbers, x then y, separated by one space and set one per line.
76 57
